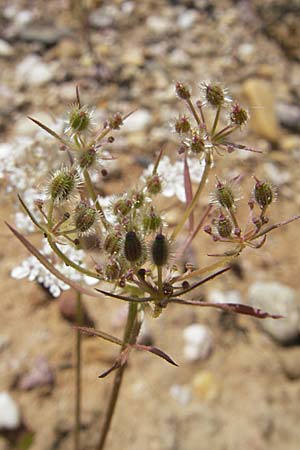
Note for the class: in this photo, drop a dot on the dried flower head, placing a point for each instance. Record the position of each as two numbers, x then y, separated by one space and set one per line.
182 90
223 226
264 193
238 115
133 247
63 184
79 120
182 125
225 194
214 94
85 218
160 250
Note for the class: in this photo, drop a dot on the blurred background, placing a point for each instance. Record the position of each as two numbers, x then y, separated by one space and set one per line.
240 390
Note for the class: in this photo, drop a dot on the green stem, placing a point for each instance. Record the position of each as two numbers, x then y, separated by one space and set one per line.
93 196
195 199
216 121
50 213
78 373
193 111
129 337
159 279
68 261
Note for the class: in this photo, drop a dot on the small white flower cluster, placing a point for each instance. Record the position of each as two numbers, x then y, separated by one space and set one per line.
32 269
172 175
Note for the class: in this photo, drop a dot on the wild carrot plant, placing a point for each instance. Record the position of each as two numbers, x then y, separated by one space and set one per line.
128 243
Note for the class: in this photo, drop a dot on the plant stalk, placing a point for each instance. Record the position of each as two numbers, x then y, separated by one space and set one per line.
193 203
78 373
130 335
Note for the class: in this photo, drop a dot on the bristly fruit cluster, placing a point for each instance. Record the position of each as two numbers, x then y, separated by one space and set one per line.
128 244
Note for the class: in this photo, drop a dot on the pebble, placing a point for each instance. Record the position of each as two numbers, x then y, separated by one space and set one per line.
275 175
181 393
4 340
159 25
290 143
277 298
40 375
45 35
205 386
10 415
231 296
138 121
32 71
198 342
290 363
288 116
67 305
67 49
260 96
187 19
6 50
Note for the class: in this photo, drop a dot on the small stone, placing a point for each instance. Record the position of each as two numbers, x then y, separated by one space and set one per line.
187 19
46 35
290 362
40 375
10 415
276 298
67 305
133 56
289 116
159 25
138 121
181 393
4 341
231 296
67 49
263 120
205 386
275 175
33 71
6 50
290 143
198 342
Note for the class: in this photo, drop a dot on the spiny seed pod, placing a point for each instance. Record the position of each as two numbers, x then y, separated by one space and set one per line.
182 125
182 90
160 250
151 221
79 119
122 207
224 226
264 193
132 247
196 142
112 271
85 217
90 242
224 195
63 184
238 116
214 94
115 121
87 158
112 243
153 185
137 198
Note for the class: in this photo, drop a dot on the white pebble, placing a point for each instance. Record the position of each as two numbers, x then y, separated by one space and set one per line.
198 342
10 416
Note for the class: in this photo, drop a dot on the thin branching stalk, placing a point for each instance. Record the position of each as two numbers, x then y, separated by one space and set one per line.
193 203
129 337
78 372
